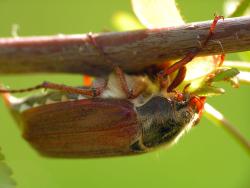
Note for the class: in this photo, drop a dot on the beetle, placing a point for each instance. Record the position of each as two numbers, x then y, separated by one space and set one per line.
125 115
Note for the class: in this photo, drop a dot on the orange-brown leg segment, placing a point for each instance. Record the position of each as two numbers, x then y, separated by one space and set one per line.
92 92
178 79
186 88
221 60
189 56
138 89
212 28
118 71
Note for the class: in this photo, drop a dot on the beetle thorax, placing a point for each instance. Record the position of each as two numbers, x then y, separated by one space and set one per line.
164 120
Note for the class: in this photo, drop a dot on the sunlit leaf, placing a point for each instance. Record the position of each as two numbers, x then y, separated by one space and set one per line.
124 21
157 13
230 6
235 8
199 67
197 72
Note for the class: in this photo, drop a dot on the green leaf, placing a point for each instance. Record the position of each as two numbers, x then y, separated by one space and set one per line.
225 74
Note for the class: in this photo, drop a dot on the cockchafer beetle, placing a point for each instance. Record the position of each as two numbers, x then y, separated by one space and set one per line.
125 115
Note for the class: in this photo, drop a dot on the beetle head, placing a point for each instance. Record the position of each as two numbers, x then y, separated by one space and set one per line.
166 119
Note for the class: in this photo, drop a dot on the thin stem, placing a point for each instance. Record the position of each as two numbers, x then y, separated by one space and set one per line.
215 116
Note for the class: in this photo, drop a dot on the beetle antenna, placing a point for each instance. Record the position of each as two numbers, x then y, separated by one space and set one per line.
6 90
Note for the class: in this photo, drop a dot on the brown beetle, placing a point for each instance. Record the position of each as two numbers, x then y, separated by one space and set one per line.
70 125
125 115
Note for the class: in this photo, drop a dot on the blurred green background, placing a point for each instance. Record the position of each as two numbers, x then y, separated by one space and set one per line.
207 157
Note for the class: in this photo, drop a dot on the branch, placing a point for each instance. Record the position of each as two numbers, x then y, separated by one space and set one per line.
133 51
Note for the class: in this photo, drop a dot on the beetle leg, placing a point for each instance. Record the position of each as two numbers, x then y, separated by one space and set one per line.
178 79
212 28
130 93
124 85
189 57
92 92
191 54
186 88
137 90
222 59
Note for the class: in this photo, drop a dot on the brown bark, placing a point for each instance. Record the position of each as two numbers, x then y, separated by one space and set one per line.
133 51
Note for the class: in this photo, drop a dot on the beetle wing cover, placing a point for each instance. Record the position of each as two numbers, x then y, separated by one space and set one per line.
82 128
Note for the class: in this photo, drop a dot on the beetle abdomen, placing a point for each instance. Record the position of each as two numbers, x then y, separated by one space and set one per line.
100 127
83 128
